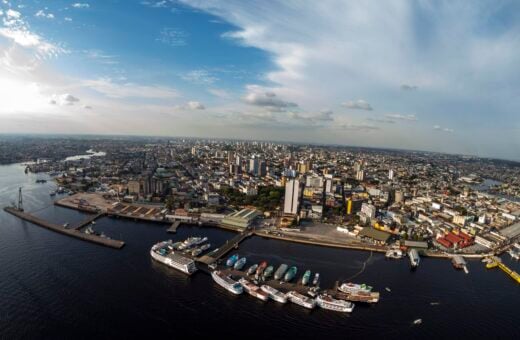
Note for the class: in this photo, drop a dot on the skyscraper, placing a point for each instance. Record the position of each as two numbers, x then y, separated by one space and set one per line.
292 199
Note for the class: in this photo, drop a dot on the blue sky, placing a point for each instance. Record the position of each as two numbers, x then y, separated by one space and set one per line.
429 75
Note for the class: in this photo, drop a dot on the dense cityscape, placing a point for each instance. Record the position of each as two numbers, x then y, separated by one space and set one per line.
259 169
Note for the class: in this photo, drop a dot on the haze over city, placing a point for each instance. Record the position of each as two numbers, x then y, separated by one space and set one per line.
423 75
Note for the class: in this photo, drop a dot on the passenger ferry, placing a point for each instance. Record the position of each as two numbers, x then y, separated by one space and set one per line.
301 300
226 282
328 302
253 290
163 252
274 294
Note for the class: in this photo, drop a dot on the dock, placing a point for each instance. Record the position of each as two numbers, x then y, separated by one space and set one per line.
174 226
73 232
514 275
88 221
226 248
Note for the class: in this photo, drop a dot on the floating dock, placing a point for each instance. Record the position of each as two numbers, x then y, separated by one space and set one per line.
62 230
226 248
174 226
514 275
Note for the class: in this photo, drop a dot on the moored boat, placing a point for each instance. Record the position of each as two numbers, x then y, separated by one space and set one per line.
232 260
291 273
227 282
316 280
240 263
328 302
268 272
413 255
253 289
306 277
301 300
274 294
261 269
280 271
252 269
163 252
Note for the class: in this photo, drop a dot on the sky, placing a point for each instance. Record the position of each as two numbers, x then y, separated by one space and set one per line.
424 75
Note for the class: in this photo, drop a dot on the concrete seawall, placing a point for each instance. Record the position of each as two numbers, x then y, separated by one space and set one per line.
69 232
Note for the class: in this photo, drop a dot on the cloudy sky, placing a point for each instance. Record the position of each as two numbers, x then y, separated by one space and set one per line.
425 75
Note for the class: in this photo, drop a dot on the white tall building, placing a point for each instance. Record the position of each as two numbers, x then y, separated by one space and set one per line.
292 197
368 210
391 174
360 175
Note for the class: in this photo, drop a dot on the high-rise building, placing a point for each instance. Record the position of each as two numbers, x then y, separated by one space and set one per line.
391 174
360 175
292 197
262 168
253 165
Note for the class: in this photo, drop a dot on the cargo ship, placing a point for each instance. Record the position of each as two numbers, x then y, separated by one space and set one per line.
291 273
226 282
268 272
232 260
328 302
280 271
240 263
261 269
274 294
253 290
163 252
306 277
413 255
301 300
252 269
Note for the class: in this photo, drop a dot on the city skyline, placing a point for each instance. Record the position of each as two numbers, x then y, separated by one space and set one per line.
407 75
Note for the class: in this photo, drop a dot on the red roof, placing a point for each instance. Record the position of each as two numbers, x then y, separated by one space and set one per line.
445 242
465 236
453 238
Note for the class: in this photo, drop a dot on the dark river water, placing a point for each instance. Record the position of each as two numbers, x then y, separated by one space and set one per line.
53 286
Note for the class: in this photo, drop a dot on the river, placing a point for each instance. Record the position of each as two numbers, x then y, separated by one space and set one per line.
53 286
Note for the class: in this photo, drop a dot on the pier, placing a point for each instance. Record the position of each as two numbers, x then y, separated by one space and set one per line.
174 226
62 230
88 221
226 248
514 275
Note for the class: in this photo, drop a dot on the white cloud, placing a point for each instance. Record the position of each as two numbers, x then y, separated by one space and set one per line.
67 19
399 116
41 14
80 5
359 104
221 93
87 107
406 87
191 105
65 99
445 129
101 57
359 127
259 96
201 77
12 14
172 37
112 89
